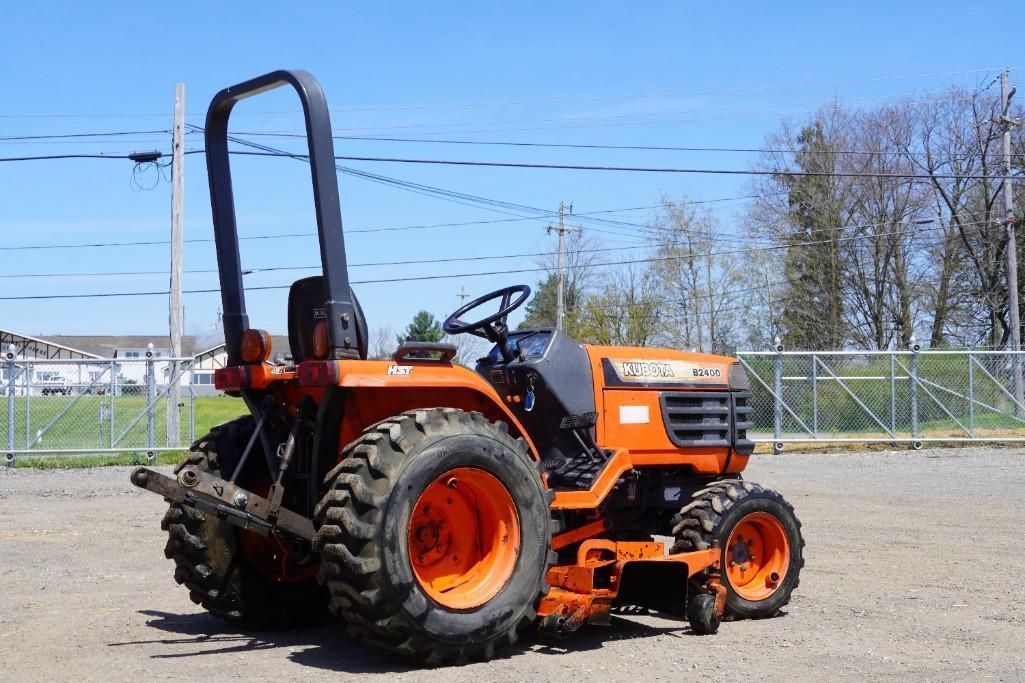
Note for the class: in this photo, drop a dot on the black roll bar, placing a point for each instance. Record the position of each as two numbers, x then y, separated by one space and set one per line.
340 313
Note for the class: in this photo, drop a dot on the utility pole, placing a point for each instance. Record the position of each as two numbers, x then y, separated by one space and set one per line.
462 295
177 219
562 230
1006 93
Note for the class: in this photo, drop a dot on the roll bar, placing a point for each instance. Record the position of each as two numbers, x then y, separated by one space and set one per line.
340 313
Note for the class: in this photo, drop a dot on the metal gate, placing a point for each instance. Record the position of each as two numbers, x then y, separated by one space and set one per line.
95 406
885 396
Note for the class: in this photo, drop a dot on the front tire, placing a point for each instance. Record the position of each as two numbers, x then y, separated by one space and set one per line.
760 537
434 536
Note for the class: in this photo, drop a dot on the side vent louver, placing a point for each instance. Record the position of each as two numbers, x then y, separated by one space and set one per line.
743 414
707 418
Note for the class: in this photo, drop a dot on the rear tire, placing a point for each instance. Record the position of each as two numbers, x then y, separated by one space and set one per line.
764 569
209 560
380 569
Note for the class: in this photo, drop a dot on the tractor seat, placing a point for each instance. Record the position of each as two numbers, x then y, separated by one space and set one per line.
306 308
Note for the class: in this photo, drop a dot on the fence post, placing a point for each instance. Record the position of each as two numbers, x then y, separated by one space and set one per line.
110 400
151 394
777 415
893 394
971 394
914 388
815 395
28 373
192 401
11 368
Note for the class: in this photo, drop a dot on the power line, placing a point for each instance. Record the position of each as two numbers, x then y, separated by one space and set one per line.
58 138
348 231
64 136
446 276
50 157
465 199
566 145
632 169
546 166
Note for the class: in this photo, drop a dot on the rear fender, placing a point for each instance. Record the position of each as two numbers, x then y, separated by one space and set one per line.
375 390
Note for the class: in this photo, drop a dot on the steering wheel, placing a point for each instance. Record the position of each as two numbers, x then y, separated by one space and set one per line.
493 327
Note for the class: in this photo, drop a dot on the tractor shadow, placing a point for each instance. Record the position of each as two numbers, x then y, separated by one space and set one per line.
324 645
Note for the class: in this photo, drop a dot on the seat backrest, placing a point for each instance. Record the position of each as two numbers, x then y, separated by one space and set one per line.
306 309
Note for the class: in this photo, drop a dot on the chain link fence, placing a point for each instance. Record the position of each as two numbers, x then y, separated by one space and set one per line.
69 407
886 396
52 407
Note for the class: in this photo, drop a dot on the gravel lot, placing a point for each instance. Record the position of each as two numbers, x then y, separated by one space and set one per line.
914 570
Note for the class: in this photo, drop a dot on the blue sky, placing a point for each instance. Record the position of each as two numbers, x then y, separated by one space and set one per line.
595 72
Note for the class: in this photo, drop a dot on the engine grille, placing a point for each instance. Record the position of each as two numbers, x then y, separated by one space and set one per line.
708 418
697 418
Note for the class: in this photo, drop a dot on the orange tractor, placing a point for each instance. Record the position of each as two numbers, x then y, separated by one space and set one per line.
440 511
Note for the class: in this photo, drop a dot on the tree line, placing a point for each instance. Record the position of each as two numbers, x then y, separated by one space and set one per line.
868 226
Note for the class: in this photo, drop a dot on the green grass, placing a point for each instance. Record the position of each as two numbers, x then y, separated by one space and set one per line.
70 462
80 427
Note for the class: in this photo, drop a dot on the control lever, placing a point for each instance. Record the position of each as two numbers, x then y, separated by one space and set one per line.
285 452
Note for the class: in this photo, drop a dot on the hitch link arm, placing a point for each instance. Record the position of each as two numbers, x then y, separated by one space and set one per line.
229 502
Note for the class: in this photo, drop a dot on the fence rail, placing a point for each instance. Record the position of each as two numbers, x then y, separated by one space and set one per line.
83 406
911 397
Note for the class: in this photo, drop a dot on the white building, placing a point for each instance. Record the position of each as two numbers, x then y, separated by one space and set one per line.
75 364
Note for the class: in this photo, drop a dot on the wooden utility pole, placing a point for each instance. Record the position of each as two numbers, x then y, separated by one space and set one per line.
1006 93
462 295
562 230
177 220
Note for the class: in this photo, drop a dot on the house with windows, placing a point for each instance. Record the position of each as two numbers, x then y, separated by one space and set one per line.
80 364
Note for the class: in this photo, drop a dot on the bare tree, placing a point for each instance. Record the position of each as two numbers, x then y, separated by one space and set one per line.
955 145
468 348
697 287
580 277
382 342
624 311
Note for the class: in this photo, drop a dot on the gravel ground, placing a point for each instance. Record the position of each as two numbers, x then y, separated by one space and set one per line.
913 571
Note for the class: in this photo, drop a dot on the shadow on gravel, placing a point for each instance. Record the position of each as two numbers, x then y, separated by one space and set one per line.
595 637
325 645
322 645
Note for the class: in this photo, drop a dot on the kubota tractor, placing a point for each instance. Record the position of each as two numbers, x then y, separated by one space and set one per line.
440 511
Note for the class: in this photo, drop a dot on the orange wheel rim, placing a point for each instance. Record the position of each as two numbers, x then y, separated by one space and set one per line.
464 538
757 556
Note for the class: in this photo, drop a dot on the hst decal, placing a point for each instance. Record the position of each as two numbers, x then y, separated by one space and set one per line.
630 371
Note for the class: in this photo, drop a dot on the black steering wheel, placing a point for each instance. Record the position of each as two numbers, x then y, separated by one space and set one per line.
493 327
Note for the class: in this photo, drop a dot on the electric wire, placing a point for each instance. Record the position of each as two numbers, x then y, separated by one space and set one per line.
445 276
